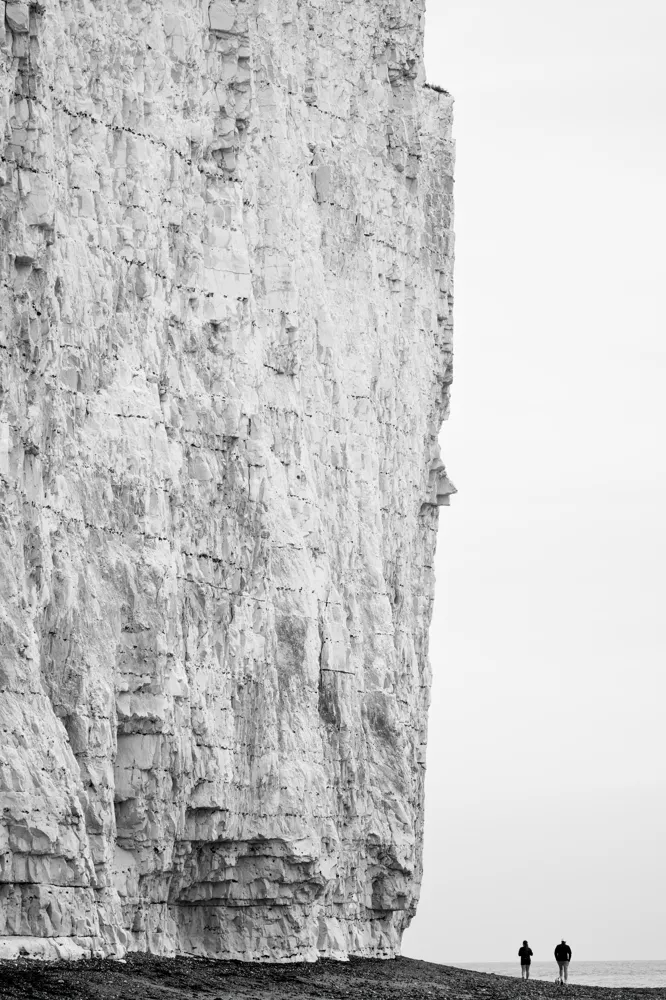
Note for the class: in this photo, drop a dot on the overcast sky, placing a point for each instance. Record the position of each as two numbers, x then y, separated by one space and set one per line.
546 789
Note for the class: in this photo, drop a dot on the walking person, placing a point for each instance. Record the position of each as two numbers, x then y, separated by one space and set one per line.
525 955
563 957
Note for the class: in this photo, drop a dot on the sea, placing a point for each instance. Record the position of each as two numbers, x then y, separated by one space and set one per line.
583 973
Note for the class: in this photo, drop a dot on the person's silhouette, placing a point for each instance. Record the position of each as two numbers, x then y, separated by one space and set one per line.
563 957
525 955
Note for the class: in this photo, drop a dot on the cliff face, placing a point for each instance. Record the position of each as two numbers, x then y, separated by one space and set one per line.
225 276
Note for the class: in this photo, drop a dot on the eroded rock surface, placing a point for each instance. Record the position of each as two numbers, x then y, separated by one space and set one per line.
225 296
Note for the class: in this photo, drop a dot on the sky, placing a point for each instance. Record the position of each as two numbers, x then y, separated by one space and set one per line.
546 782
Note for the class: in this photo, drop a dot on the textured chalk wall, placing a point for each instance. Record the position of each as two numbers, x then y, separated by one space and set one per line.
225 297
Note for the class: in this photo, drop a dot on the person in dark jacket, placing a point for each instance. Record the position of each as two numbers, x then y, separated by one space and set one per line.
563 957
525 955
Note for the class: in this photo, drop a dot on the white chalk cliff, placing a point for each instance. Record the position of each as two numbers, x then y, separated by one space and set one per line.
225 354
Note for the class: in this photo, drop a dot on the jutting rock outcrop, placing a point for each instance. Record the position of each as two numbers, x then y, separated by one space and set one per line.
225 299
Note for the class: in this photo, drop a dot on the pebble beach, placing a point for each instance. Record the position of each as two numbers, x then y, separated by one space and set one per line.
143 977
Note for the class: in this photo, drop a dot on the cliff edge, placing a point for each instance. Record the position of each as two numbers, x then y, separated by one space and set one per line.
225 353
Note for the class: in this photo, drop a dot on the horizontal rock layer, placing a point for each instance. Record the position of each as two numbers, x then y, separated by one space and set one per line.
225 291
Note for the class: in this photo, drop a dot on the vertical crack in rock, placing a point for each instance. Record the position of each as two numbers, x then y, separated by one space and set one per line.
225 356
